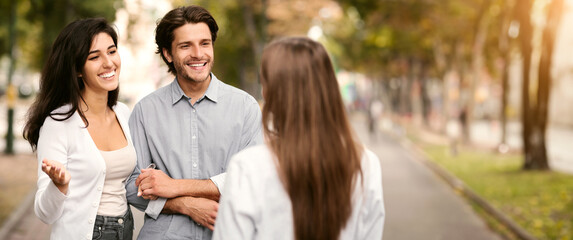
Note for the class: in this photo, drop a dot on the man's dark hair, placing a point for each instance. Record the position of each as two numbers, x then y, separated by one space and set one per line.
176 18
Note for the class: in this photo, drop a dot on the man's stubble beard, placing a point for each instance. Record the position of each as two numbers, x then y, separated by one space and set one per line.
185 75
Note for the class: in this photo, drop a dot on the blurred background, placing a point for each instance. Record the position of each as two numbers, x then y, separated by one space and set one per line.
491 75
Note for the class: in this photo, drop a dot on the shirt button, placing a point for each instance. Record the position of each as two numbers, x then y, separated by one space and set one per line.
88 236
120 221
99 188
91 221
194 136
193 110
194 164
94 204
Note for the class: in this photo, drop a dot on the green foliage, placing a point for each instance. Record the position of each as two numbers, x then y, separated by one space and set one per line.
540 202
53 15
4 21
38 22
382 33
234 54
374 34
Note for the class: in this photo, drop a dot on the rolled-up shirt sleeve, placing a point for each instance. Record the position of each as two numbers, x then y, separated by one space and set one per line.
155 207
219 181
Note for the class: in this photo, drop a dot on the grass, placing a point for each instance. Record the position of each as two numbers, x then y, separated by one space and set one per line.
540 202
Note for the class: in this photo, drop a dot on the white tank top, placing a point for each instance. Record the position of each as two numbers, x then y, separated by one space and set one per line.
119 165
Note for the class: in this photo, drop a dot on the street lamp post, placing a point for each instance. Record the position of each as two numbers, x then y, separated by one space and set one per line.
11 93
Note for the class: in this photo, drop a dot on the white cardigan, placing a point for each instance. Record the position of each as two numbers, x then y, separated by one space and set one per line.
72 216
255 205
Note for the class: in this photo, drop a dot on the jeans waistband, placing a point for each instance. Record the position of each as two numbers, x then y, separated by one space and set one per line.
113 221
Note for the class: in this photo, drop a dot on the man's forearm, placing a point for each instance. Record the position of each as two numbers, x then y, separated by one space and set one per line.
203 211
157 183
197 188
172 206
193 188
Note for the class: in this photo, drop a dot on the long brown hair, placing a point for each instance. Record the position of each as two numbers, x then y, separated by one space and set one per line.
306 126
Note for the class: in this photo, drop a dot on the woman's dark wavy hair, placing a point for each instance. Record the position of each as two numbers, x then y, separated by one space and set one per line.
60 83
176 18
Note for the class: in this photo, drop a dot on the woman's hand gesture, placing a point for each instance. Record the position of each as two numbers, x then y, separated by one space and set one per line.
58 173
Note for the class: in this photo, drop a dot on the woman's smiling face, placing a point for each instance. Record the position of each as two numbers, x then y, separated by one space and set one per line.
102 67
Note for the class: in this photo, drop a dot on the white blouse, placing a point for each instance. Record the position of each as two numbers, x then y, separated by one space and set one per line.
255 205
72 216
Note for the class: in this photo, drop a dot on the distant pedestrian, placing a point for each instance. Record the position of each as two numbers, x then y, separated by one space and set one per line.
374 112
81 135
312 179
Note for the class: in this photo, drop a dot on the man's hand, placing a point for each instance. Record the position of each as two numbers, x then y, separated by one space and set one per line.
155 183
203 211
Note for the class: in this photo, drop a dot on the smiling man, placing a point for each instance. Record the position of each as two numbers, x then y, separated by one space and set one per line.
189 129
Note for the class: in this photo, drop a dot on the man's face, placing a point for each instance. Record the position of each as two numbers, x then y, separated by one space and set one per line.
192 52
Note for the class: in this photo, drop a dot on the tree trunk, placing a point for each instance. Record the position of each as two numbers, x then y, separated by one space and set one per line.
523 12
503 45
425 97
442 69
11 95
406 87
477 66
466 95
257 39
405 95
538 149
504 97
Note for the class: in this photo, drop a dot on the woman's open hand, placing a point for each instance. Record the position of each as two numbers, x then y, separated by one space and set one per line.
58 173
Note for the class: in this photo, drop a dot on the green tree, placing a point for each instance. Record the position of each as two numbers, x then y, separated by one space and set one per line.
504 46
535 103
392 39
48 17
5 16
389 41
40 21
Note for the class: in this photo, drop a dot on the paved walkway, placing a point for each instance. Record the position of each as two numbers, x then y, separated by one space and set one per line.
419 204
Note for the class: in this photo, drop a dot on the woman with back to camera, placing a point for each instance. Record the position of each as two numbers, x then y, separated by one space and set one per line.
312 179
80 133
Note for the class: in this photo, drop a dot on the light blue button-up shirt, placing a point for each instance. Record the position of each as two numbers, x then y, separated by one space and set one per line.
189 142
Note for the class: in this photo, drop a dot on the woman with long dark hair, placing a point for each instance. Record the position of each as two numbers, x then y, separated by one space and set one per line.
312 179
80 134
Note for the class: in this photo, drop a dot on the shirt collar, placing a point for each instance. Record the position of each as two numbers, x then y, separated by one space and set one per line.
212 92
